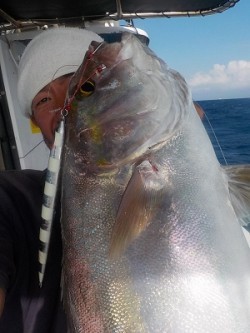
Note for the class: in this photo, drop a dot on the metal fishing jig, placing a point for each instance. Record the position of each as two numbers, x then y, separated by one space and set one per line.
49 196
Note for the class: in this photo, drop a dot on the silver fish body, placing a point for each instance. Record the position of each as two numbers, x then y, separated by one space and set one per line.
151 241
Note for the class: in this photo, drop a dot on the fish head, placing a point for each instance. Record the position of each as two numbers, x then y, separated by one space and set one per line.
125 101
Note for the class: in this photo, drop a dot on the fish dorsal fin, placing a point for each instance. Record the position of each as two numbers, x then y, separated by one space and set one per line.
239 188
139 202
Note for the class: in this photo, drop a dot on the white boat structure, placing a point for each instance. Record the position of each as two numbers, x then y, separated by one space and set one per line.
21 144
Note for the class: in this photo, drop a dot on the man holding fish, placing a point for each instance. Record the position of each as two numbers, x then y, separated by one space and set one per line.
44 73
149 245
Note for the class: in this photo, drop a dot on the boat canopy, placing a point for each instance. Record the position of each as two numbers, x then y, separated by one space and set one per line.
16 14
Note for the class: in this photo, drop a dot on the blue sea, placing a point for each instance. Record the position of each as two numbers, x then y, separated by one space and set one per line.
230 120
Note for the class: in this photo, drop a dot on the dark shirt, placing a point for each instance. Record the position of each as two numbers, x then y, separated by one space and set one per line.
28 308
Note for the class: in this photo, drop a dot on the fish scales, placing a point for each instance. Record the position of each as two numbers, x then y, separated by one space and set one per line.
151 243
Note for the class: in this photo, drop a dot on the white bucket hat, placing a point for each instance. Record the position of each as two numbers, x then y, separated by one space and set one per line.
51 54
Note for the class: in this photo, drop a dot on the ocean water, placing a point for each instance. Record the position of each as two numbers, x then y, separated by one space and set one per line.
230 120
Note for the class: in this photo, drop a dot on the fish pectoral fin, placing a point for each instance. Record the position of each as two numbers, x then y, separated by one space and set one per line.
139 202
239 189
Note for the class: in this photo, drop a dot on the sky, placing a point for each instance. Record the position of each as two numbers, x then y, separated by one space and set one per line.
211 52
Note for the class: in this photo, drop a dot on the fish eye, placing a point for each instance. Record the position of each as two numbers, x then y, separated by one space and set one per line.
87 88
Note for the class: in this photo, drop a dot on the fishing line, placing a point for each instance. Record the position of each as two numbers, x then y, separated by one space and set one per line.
216 139
31 150
53 78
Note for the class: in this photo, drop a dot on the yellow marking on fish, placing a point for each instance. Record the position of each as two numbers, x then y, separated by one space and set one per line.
96 133
102 162
97 139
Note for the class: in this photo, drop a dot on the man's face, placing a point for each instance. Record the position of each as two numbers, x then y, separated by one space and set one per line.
47 105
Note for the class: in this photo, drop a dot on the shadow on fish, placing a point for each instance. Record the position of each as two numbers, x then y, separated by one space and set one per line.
151 230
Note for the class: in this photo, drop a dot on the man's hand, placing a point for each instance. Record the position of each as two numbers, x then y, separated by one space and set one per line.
2 300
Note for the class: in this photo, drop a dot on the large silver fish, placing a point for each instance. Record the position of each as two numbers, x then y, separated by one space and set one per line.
152 243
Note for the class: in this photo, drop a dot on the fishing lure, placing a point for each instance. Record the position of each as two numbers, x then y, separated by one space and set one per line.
49 197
